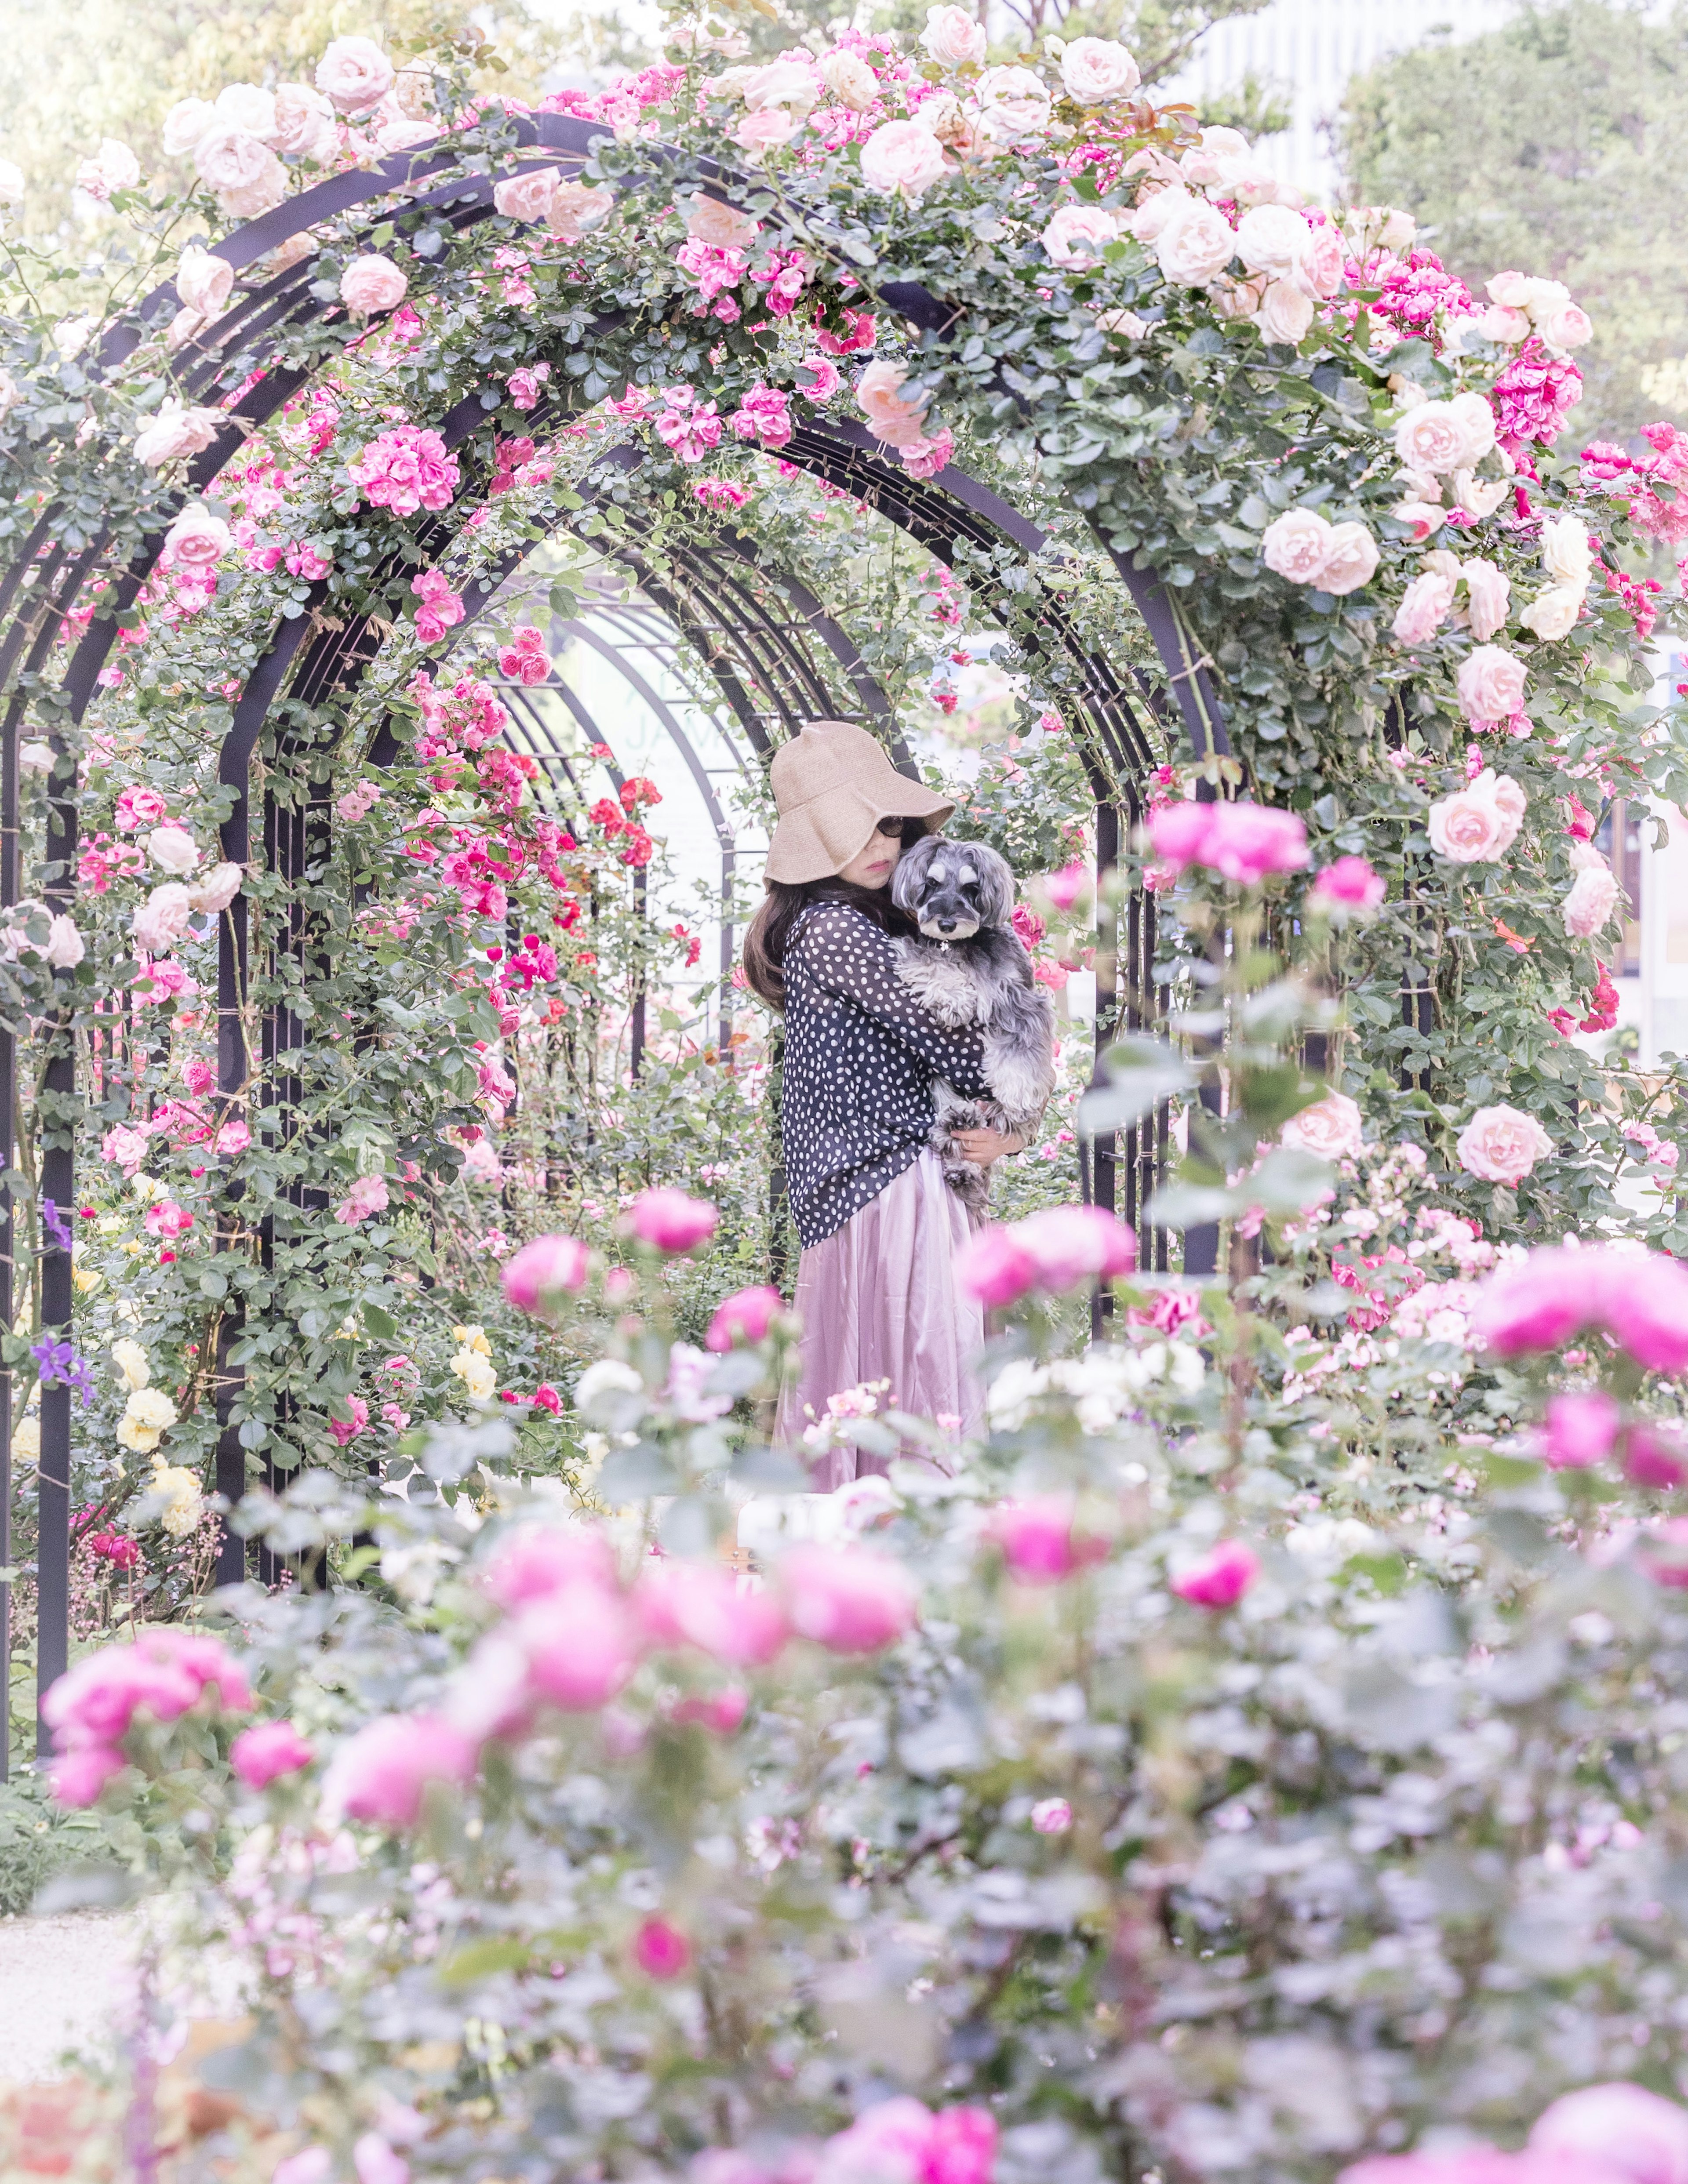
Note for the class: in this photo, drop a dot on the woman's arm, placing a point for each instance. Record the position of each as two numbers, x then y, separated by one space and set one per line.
849 955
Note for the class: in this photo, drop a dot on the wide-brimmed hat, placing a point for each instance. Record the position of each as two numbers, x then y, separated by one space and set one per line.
833 784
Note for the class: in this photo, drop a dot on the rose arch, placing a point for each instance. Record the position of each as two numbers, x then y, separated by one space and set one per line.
1114 375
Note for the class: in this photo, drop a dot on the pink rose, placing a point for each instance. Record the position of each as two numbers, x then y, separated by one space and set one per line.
1070 1245
1478 824
661 1951
1663 1554
139 806
1195 245
767 129
1038 1540
1502 1144
1076 236
77 1778
1490 684
204 282
541 1269
903 158
197 539
1220 1579
1330 1127
1349 884
700 1604
1654 1459
113 167
1243 843
1098 72
241 168
1592 898
526 196
266 1751
954 37
176 431
355 74
383 1772
581 1645
1565 325
578 210
217 890
994 1268
1051 1816
372 284
162 919
1579 1429
305 128
535 1561
847 1599
367 1196
672 1221
1350 559
235 1137
744 1317
1487 594
1622 2129
1294 545
1424 607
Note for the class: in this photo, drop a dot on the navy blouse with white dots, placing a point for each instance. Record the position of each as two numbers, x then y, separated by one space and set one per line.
861 1057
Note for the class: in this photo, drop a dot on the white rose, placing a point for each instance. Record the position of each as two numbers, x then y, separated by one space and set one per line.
1566 327
1286 313
1272 239
1295 545
1476 420
1489 591
1157 211
1012 103
355 74
952 38
1350 559
1430 438
204 282
247 176
792 82
1554 614
244 106
217 890
173 848
1076 236
902 158
1097 71
176 431
1479 496
185 124
162 919
36 757
1208 159
1567 552
305 127
850 81
608 1375
65 947
1195 246
11 183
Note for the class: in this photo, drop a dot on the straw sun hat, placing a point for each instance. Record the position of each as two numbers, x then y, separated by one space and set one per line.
833 784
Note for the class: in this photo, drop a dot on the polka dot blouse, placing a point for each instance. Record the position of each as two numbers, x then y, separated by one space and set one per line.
860 1055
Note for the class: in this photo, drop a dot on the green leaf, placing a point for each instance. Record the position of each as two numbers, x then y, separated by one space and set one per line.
634 1474
1288 1179
1188 1205
483 1960
1139 1074
380 1322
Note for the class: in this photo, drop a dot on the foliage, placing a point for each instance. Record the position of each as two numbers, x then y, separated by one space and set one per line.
1550 144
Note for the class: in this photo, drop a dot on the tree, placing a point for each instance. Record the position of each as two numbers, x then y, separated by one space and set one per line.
1553 145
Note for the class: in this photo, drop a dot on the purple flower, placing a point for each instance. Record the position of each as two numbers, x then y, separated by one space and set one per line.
58 1363
54 1223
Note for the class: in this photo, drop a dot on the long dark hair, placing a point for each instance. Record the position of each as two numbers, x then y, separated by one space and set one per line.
770 929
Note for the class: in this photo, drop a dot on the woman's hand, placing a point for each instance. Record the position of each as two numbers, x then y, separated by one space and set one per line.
982 1147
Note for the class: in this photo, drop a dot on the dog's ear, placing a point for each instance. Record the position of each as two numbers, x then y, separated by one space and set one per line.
910 877
994 887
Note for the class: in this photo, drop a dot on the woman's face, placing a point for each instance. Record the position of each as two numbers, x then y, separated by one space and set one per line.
872 867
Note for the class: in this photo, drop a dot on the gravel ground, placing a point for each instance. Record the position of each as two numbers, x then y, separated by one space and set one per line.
62 1979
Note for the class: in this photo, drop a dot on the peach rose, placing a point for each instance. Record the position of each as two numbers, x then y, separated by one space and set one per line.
898 423
902 158
1502 1144
1490 684
952 38
204 282
1076 236
1196 245
711 221
1424 607
176 430
578 210
1272 239
1479 496
245 174
1285 312
372 284
1330 1127
197 538
354 76
1501 323
305 127
1097 71
1487 595
1478 824
850 81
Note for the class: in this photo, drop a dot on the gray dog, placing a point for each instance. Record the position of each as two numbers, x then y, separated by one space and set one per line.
970 968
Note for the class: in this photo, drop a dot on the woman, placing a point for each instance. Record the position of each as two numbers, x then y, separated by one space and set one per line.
879 1227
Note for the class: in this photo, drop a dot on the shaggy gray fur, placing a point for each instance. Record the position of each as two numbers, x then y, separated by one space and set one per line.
970 968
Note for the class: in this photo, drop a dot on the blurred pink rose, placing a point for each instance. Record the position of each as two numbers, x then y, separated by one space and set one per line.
1052 1816
266 1751
1654 1458
1348 884
661 1951
240 169
1664 1553
1502 1144
1243 843
1073 1244
195 539
1640 1300
535 1561
1579 1429
1623 2130
1221 1578
1065 887
371 284
382 1772
583 1644
744 1317
672 1221
1592 896
994 1268
702 1604
541 1269
847 1599
1038 1539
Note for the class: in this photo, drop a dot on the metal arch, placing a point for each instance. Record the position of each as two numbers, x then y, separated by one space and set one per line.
334 665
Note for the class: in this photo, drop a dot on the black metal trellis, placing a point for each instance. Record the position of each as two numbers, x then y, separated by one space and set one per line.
45 578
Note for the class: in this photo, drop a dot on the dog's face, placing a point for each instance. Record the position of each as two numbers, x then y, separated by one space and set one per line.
952 889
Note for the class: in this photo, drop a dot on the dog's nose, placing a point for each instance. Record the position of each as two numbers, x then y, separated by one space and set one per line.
947 924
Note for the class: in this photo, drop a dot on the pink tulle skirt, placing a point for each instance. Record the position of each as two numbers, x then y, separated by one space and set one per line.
879 1301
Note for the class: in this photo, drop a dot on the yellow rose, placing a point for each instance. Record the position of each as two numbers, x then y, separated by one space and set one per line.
131 1361
475 1374
143 1439
151 1409
26 1441
472 1338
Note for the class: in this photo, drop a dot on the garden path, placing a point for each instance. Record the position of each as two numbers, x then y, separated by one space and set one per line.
64 1979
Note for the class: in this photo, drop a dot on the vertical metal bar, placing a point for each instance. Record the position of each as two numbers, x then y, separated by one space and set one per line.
1105 1145
58 1183
636 1042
